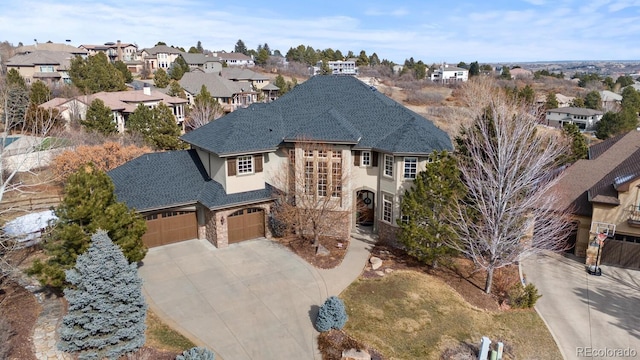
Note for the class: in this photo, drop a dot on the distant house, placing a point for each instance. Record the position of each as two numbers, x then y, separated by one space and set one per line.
585 118
610 100
564 101
51 67
258 81
208 64
121 103
520 73
117 51
235 59
159 57
449 74
338 67
230 94
50 46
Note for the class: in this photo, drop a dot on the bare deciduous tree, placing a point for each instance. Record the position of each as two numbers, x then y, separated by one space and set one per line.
204 110
313 193
508 169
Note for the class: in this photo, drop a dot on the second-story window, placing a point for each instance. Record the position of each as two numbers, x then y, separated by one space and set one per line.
410 167
388 165
245 164
366 158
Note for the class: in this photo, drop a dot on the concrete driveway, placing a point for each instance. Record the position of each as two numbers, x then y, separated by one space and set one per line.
589 316
252 300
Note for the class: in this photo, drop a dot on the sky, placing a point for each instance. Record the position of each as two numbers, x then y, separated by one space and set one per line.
434 31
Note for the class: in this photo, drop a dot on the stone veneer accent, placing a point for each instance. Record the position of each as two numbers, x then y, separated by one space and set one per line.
388 234
217 233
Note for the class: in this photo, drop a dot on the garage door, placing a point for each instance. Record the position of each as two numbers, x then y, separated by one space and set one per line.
170 227
245 224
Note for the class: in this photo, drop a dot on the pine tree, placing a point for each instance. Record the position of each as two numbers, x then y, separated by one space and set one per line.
425 208
99 118
95 74
39 93
332 315
161 79
157 126
124 70
579 147
197 353
89 204
107 310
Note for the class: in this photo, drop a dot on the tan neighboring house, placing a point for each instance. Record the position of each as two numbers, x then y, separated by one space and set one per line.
605 188
520 73
115 51
258 81
121 103
230 94
584 118
48 62
610 100
235 59
159 57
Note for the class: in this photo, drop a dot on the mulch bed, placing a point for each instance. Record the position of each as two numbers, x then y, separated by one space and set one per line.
304 248
21 309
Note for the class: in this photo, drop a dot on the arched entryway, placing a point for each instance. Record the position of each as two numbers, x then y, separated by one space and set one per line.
365 207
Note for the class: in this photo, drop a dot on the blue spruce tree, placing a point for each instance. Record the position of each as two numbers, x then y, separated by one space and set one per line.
332 314
107 310
197 353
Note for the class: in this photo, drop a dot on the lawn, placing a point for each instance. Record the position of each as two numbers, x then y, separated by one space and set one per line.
411 315
162 337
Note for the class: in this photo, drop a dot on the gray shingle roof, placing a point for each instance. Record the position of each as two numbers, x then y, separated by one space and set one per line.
161 49
174 178
218 86
358 111
576 111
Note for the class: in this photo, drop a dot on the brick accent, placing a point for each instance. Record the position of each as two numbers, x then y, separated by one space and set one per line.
388 234
217 232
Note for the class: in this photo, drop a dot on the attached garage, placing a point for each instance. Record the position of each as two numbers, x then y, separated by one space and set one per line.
245 224
169 227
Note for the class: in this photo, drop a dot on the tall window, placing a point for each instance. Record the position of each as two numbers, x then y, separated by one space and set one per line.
387 207
308 177
322 178
366 158
245 164
336 179
388 165
410 167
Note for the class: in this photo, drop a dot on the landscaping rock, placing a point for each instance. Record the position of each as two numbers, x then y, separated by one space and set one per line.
355 354
380 273
376 262
388 270
322 251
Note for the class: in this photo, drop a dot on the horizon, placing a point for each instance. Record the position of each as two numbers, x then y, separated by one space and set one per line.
500 32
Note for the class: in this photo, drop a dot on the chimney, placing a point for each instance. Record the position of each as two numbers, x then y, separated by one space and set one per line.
146 90
119 50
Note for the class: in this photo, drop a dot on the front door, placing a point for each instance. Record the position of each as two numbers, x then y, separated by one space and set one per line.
365 207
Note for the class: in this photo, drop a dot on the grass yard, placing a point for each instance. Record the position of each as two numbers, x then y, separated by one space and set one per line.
160 336
411 315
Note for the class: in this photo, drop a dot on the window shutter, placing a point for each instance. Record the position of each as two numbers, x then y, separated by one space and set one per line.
375 158
258 163
356 158
231 167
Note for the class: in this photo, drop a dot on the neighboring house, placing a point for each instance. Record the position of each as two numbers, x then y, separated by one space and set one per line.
610 100
338 67
117 51
50 46
159 57
564 101
207 64
51 67
270 92
235 59
121 103
258 81
231 94
585 118
605 188
520 73
222 188
449 74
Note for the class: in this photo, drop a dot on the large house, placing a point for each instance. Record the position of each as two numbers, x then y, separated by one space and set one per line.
235 59
258 81
337 67
222 189
121 103
117 51
603 192
584 118
449 74
208 64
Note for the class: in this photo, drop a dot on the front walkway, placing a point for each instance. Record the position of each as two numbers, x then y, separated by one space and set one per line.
252 300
